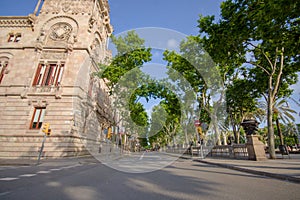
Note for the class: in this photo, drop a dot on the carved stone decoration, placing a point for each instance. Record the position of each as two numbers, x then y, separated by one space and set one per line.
41 37
51 7
92 20
54 55
61 31
58 92
38 103
23 94
20 22
68 6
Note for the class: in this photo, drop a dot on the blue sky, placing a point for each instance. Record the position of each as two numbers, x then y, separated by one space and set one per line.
176 15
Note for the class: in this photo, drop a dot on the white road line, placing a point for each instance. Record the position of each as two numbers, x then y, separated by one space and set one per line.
4 193
71 166
27 175
56 169
43 172
31 175
142 156
8 179
67 167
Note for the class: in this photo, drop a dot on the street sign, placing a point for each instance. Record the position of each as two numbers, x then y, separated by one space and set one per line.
197 122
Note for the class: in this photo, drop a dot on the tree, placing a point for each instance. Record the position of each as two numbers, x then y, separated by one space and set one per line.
123 75
265 36
131 53
196 66
240 102
281 112
166 117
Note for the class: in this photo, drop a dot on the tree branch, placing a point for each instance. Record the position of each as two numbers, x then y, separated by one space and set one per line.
276 87
257 65
268 59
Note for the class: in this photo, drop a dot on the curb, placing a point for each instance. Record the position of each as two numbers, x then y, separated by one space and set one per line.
262 173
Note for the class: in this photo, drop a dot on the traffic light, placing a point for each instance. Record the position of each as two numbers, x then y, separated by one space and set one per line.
199 130
49 132
46 127
109 133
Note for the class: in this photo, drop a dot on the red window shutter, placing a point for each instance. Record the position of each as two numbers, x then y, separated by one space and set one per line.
37 75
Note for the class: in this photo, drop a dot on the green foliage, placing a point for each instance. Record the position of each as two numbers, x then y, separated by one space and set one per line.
250 32
196 67
262 35
289 141
122 74
131 54
166 117
240 99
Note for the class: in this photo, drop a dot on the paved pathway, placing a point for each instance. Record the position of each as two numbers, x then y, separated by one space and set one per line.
280 168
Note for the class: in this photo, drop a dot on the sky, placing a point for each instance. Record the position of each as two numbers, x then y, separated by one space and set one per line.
176 17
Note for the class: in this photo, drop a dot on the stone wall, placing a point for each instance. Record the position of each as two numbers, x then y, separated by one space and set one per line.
73 34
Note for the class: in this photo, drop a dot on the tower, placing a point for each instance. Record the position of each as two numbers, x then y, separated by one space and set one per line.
47 64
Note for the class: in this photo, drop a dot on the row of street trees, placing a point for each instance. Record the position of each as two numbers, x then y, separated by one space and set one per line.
250 54
261 39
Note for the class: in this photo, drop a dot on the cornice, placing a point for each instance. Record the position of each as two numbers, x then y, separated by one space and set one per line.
17 21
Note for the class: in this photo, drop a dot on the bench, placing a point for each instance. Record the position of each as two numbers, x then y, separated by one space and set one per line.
284 150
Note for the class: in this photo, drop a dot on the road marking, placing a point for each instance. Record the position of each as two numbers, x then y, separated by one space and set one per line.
56 169
142 156
27 175
8 179
4 193
31 175
71 166
43 172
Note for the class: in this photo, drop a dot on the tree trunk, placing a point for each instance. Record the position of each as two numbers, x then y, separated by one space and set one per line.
186 135
236 134
272 92
218 136
271 144
224 138
279 132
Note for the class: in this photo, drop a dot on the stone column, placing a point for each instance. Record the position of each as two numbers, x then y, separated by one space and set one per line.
255 148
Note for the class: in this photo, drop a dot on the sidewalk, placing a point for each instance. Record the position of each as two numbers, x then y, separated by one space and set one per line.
281 168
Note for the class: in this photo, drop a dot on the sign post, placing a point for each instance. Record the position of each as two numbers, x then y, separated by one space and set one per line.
41 149
47 131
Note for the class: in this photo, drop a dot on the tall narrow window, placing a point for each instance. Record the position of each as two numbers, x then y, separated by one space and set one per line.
17 37
11 37
38 117
3 66
48 74
14 37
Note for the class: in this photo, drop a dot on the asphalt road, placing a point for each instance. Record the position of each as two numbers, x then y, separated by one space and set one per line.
182 179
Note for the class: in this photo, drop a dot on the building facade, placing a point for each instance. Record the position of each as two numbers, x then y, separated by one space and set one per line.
47 64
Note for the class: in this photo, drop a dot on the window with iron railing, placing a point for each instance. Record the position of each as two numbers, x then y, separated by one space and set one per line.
49 74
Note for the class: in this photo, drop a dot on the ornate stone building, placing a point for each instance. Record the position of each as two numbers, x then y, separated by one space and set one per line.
47 65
